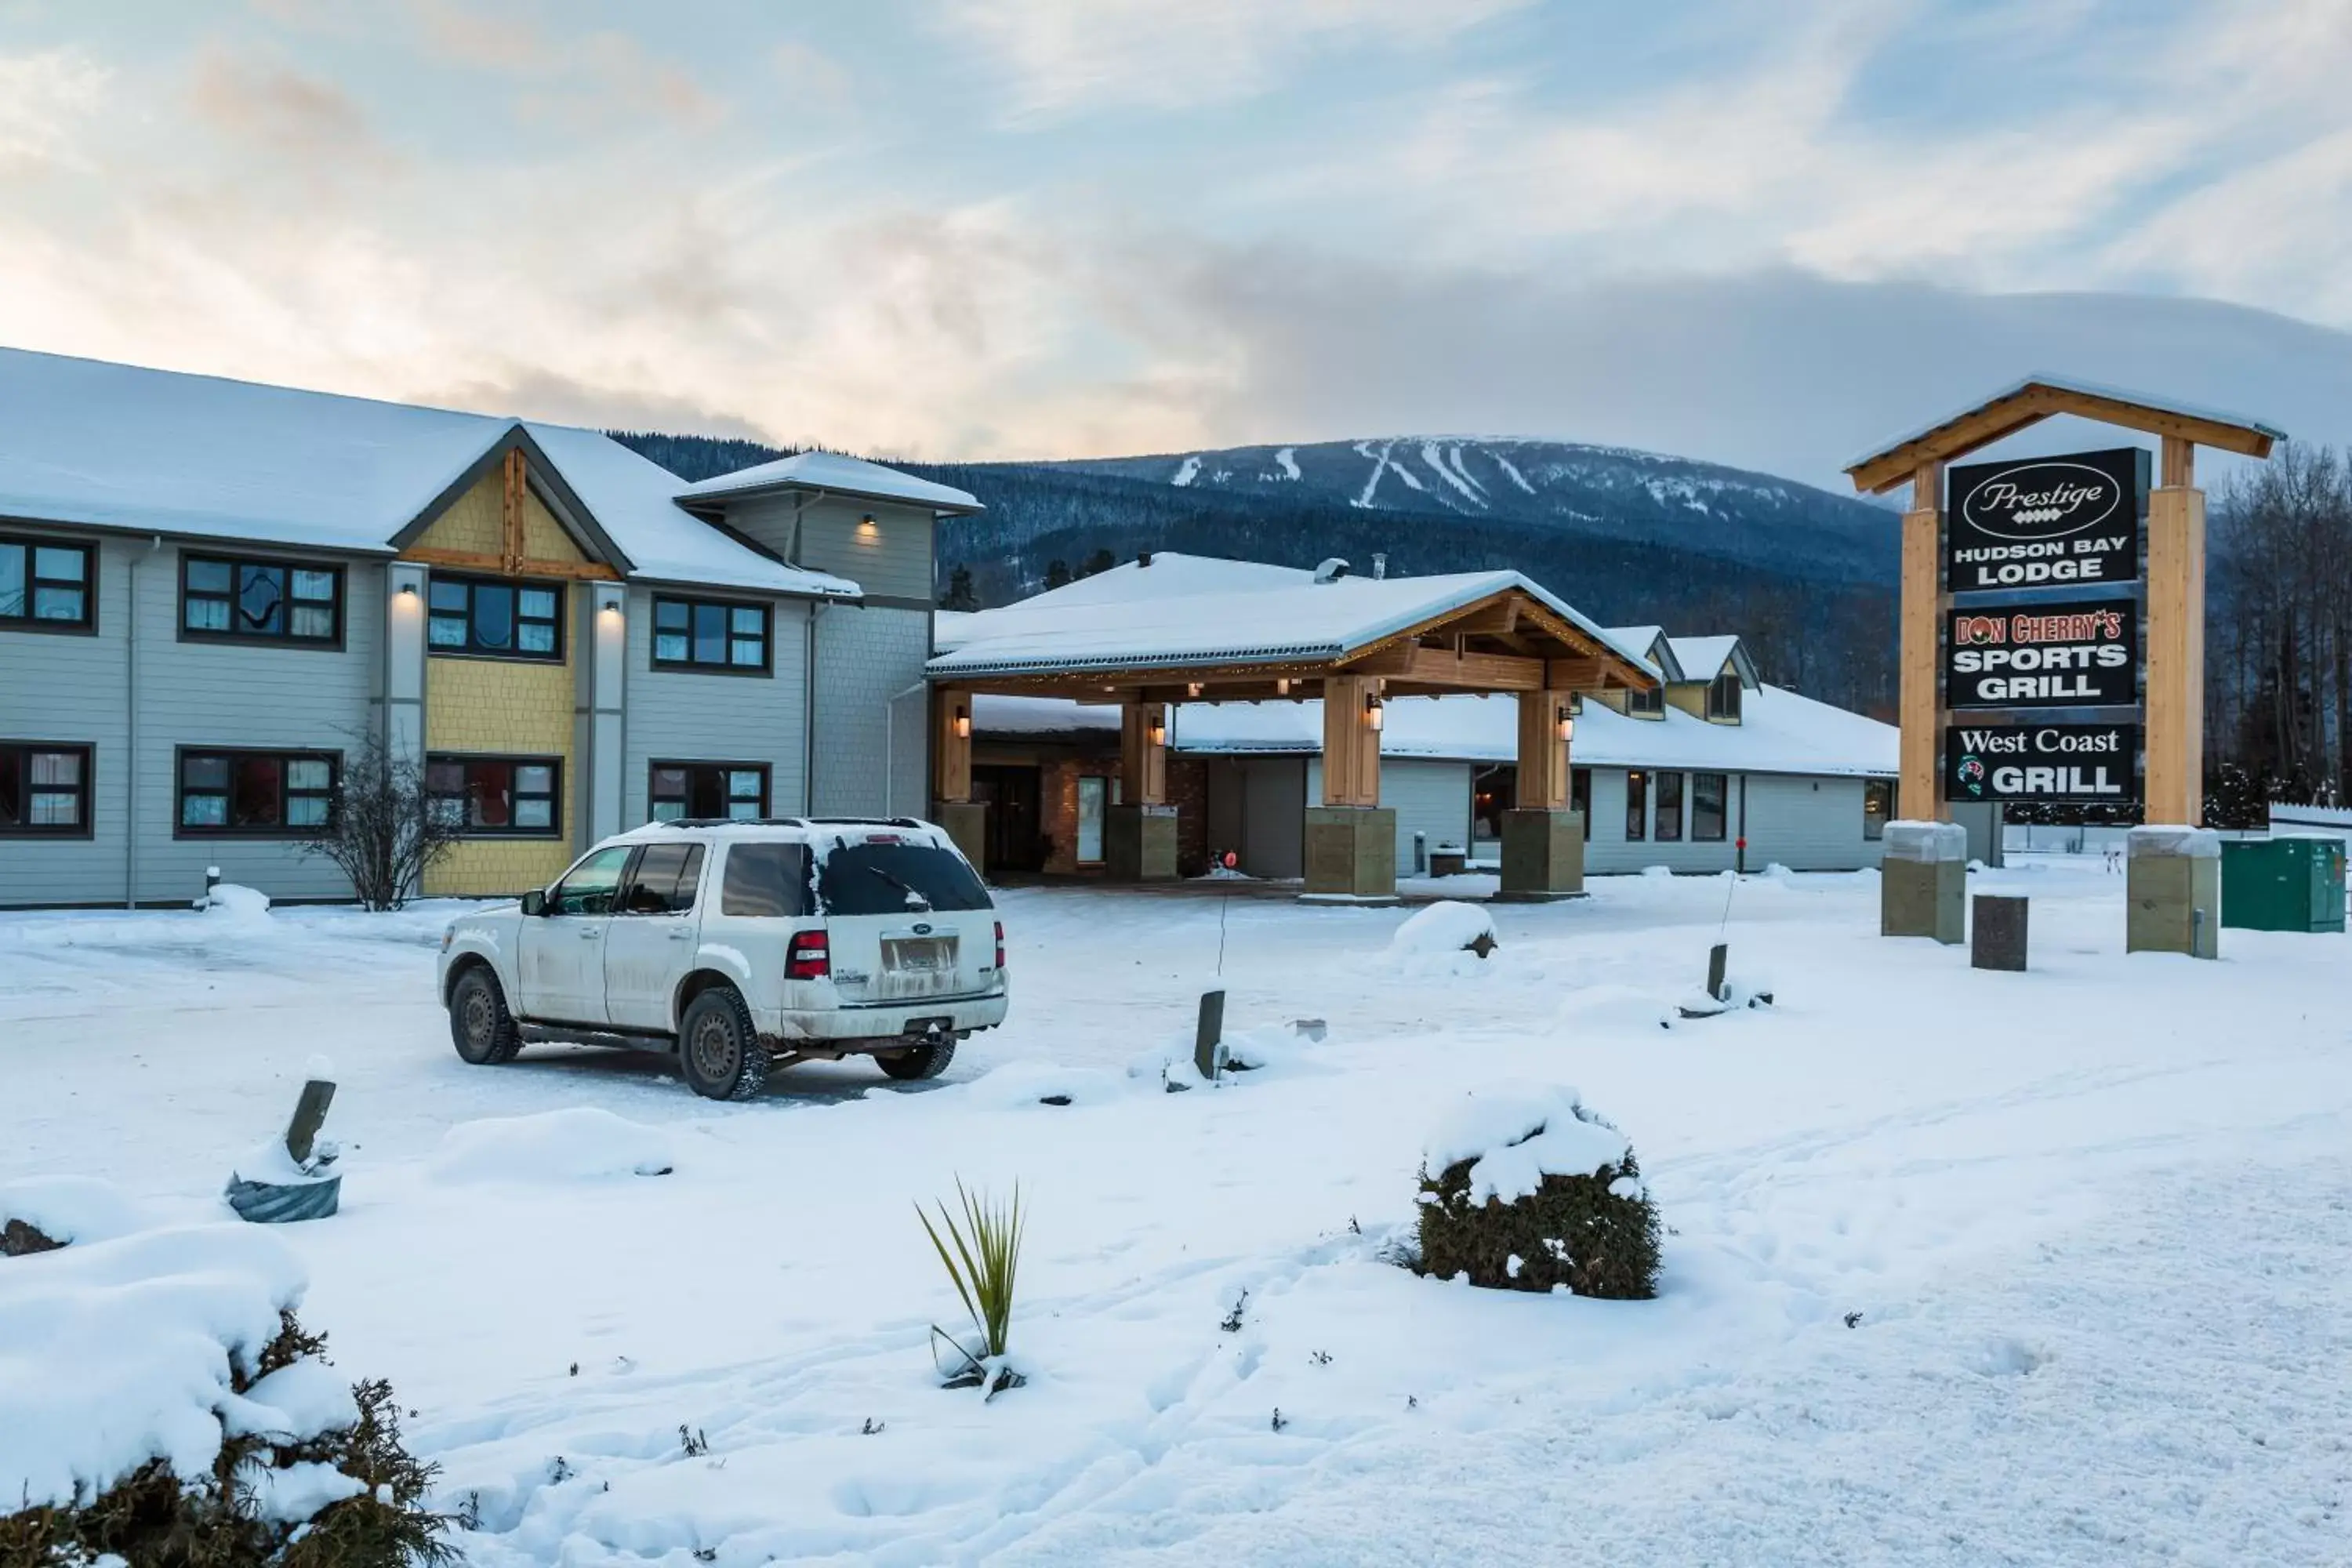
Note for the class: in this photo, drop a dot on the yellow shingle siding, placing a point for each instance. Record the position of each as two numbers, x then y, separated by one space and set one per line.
504 707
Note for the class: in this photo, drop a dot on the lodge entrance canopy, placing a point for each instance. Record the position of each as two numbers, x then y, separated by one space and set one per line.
1176 628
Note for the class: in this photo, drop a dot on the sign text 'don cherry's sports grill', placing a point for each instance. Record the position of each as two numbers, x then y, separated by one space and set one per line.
2047 655
2046 522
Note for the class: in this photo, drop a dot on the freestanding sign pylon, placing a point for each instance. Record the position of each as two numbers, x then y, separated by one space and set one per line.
2032 591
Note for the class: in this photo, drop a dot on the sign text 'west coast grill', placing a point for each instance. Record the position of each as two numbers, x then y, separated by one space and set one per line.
2086 763
2046 522
2044 655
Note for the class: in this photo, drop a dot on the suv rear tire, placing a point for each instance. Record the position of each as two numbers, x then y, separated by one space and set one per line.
480 1024
718 1052
918 1062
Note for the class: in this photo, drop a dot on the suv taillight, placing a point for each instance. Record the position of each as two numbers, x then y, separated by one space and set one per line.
1000 947
809 957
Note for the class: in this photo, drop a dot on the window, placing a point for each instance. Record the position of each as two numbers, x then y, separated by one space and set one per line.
1647 704
45 585
588 887
1093 795
264 793
708 791
1670 808
44 789
279 600
665 882
1710 794
881 879
701 634
1877 805
486 616
766 881
1579 794
502 797
1723 697
1637 807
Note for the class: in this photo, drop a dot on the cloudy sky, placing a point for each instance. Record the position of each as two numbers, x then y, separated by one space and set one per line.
1765 234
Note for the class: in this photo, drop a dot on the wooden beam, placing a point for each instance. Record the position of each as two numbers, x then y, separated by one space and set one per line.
1143 761
1441 666
1352 747
499 567
1542 772
950 744
2175 780
1988 422
511 511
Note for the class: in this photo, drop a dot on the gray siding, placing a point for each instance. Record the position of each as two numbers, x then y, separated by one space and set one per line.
1257 807
1432 798
867 658
890 560
680 716
1807 824
62 687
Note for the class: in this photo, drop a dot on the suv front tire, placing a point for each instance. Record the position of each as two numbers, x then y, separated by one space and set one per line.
718 1052
480 1024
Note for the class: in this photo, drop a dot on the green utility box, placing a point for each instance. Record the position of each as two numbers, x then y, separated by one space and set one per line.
2282 884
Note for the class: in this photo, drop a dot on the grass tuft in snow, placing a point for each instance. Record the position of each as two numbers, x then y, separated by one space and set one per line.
983 1256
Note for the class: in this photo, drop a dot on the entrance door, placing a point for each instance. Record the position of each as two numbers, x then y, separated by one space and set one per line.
562 960
1011 794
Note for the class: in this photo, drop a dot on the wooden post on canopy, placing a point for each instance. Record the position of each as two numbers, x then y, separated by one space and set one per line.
1351 746
1924 603
1543 751
952 806
1543 840
1351 854
1139 832
2176 640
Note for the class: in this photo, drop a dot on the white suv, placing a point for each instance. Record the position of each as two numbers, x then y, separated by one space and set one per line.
743 946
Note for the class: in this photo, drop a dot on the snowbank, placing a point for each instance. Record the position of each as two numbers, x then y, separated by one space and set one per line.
115 1353
578 1143
81 1209
1517 1134
1017 1084
1443 928
230 900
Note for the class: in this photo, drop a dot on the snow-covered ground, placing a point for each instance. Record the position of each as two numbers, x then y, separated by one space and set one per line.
1963 1269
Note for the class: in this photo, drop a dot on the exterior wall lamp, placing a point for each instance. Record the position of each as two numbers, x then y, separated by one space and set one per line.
408 590
1159 731
1375 713
1565 724
962 723
1282 686
1192 689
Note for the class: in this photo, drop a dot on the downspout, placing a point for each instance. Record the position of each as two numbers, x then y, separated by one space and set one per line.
130 730
808 712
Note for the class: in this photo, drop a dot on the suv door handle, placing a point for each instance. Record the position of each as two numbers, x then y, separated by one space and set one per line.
681 934
589 933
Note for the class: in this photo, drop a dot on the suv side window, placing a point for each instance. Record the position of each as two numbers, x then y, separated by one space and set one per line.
666 880
588 887
766 880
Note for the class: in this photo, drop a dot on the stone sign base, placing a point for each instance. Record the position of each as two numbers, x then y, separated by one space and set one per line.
1543 855
967 823
1997 932
2172 891
1140 843
1923 881
1351 854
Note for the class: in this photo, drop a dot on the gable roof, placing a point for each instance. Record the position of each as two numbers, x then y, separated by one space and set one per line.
2036 398
1657 649
1201 610
836 474
125 447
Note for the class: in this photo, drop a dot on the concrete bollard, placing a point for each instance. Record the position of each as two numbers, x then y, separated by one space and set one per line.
1923 880
1997 932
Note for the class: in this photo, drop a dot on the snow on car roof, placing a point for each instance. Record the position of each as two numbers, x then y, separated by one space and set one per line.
125 446
1183 610
837 472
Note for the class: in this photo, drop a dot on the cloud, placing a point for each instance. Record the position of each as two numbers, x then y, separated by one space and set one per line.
43 98
590 80
1065 56
278 110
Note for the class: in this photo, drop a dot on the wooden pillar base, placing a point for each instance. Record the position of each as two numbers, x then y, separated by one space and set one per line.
1140 843
1351 854
967 823
1543 855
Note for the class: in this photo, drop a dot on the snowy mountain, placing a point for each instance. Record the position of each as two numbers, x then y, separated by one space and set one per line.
1608 490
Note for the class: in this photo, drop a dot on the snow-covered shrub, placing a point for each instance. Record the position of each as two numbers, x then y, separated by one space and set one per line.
1524 1188
1442 929
171 1410
576 1143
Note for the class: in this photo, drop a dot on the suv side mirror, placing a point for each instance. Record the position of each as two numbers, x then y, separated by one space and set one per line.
534 902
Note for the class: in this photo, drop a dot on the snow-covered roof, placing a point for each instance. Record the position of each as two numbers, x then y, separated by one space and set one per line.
1779 731
1703 658
834 472
1193 610
124 446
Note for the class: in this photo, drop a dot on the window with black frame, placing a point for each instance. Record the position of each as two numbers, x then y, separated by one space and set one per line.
497 797
1723 697
495 617
708 634
260 793
237 599
1637 806
1710 806
45 585
1670 808
1877 805
44 789
1646 703
707 790
1579 794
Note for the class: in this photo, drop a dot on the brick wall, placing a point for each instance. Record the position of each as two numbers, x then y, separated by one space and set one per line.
1188 792
1057 810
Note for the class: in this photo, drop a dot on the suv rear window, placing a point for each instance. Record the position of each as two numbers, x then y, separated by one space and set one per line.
885 878
766 879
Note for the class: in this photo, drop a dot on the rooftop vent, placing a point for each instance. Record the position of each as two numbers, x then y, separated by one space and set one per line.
1143 558
1331 571
1379 566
